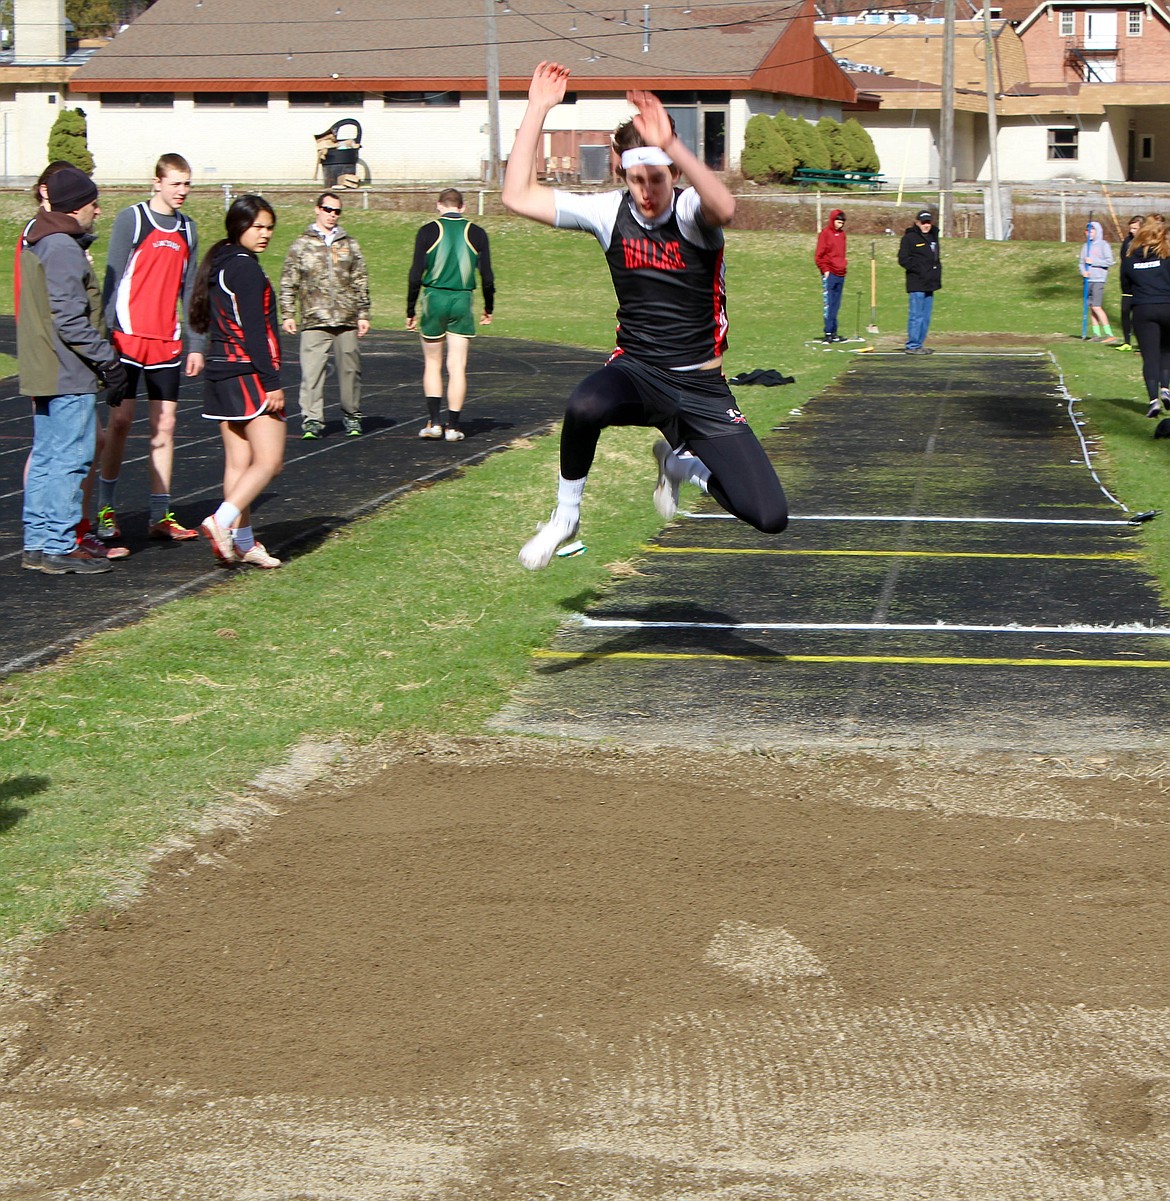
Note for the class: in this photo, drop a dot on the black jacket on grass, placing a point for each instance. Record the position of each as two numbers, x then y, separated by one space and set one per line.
918 256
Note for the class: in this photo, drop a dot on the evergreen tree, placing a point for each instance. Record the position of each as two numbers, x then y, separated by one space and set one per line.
67 140
766 153
858 140
806 142
840 153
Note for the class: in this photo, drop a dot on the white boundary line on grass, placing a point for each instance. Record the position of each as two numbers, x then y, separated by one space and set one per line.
894 518
621 623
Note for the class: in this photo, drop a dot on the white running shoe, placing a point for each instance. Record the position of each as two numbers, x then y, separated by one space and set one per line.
221 540
259 557
666 492
538 551
453 435
431 431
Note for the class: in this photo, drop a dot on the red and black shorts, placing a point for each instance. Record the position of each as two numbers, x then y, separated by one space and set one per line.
237 398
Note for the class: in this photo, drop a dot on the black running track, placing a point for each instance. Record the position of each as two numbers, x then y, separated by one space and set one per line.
953 576
515 389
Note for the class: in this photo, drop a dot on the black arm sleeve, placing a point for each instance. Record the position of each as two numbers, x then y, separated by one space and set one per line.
257 303
479 242
423 241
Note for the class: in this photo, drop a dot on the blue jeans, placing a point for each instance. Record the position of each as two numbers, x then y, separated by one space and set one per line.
63 441
833 285
918 322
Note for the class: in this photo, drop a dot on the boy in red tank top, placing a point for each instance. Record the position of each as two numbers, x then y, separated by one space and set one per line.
150 271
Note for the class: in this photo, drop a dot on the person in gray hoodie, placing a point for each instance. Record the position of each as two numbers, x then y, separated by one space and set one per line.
1096 259
64 357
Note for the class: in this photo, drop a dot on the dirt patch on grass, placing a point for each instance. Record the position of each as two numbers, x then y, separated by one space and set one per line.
504 969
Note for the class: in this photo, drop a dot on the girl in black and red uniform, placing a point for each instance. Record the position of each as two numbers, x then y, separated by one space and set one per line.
1145 275
664 247
234 304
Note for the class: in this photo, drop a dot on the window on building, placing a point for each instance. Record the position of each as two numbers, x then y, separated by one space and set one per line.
1133 22
325 99
138 100
1062 143
1146 147
231 99
1068 24
423 99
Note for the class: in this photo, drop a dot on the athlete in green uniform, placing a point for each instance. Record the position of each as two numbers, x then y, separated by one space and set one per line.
447 253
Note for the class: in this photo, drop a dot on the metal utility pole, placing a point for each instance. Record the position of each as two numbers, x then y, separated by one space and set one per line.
992 127
493 93
946 121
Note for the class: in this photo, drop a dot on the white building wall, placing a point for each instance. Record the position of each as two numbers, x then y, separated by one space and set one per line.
25 121
907 152
276 145
1023 150
400 143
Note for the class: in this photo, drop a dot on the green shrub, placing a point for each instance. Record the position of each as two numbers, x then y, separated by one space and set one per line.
68 140
840 152
806 142
766 153
856 137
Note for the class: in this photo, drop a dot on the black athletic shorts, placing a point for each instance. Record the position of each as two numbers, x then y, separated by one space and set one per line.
237 398
162 383
699 402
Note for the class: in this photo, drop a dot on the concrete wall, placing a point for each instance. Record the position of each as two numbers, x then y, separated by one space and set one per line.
1023 150
26 116
399 143
908 153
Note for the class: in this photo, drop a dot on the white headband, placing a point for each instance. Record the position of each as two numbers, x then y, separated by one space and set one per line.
649 156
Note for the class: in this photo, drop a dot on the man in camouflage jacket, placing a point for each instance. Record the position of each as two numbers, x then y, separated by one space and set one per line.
324 276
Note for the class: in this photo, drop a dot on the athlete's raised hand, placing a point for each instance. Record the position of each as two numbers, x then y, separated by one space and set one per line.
548 85
652 121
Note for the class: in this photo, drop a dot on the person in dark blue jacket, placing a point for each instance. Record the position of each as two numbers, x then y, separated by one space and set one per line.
918 256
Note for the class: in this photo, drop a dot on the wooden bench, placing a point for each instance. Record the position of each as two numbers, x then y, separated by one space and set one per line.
807 177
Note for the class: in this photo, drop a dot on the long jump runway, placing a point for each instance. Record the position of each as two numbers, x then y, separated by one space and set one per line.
954 574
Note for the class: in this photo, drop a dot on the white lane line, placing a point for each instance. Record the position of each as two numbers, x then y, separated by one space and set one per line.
895 518
940 627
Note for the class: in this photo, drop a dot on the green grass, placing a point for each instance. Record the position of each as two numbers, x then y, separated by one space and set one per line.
386 630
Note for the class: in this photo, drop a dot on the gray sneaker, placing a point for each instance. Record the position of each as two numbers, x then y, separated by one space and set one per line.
78 561
311 430
352 426
31 559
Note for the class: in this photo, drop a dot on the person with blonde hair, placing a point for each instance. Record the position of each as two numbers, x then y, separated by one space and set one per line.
1145 274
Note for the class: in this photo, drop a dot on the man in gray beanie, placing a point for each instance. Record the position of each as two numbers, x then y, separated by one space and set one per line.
64 358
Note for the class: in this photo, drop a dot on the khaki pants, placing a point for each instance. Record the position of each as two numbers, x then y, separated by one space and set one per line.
315 347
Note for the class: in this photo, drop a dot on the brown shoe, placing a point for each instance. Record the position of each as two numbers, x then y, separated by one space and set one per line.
79 562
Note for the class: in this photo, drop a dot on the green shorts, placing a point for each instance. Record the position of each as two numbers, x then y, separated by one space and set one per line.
443 311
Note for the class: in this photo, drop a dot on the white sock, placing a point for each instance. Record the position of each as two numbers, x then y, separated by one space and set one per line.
569 493
226 515
244 539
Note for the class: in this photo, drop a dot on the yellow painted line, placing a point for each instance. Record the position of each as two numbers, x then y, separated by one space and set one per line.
895 660
1113 556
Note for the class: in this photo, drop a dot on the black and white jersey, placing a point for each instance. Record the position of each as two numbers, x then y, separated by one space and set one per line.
668 275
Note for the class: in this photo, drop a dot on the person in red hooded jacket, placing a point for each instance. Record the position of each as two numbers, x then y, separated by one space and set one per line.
830 261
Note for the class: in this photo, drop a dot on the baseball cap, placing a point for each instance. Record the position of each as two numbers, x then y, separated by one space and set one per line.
925 215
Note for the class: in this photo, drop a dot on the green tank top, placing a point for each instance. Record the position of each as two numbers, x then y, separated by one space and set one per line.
451 259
